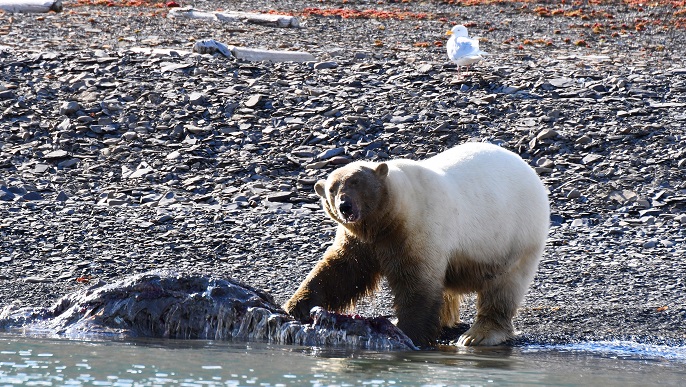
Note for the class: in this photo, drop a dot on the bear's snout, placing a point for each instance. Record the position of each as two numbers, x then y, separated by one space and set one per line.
347 209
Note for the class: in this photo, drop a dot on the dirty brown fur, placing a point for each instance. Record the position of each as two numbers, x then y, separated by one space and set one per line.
364 251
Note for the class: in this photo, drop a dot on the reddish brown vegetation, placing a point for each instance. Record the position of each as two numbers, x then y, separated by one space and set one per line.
672 13
349 13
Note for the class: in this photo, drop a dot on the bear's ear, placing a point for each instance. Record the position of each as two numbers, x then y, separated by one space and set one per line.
381 170
320 189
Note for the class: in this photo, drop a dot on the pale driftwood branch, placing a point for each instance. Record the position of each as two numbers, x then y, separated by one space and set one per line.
234 17
260 18
256 54
250 54
31 6
190 13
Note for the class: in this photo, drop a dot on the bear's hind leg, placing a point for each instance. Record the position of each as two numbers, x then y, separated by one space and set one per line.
450 313
496 307
497 304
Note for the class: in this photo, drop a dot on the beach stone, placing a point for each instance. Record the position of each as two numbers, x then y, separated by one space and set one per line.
325 65
573 194
173 155
164 218
403 119
651 243
583 140
579 222
511 89
111 105
6 95
69 163
648 220
58 154
283 196
62 197
41 168
424 68
196 98
32 196
253 101
129 136
69 107
623 196
6 195
546 134
667 243
591 158
141 171
561 82
167 199
116 202
37 280
329 153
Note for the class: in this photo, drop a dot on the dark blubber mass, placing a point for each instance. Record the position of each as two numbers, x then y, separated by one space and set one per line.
115 161
165 304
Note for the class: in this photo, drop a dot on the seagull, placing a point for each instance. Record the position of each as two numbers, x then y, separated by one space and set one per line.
462 49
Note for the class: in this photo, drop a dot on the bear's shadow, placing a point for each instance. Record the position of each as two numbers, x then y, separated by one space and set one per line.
449 335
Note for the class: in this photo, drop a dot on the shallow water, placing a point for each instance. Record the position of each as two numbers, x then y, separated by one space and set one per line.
45 362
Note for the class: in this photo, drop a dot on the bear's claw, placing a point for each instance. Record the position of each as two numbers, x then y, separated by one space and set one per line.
478 335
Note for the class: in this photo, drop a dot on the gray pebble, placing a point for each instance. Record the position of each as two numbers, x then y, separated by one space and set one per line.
329 153
253 101
546 134
58 154
325 65
7 95
280 196
69 107
651 243
31 196
573 194
62 197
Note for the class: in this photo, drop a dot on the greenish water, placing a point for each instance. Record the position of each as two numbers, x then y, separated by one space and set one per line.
51 362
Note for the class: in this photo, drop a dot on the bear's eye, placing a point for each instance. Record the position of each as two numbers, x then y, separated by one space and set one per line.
353 183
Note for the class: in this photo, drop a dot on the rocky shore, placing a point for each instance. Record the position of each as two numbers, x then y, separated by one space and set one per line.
122 151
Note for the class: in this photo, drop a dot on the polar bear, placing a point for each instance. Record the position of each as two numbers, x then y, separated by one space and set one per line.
474 218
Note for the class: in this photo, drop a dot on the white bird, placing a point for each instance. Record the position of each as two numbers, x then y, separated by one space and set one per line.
462 49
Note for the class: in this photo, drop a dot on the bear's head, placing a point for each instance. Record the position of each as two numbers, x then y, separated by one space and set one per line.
354 194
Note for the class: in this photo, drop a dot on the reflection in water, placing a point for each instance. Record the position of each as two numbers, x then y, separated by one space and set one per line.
195 362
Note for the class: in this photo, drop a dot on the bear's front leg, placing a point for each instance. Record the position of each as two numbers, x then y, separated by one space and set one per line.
348 271
418 303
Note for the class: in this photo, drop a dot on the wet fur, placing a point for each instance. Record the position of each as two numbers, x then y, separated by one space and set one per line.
434 239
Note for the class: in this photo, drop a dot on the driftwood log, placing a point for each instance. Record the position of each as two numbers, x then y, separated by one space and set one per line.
31 6
282 21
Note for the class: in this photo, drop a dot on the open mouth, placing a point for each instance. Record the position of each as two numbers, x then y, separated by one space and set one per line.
348 212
